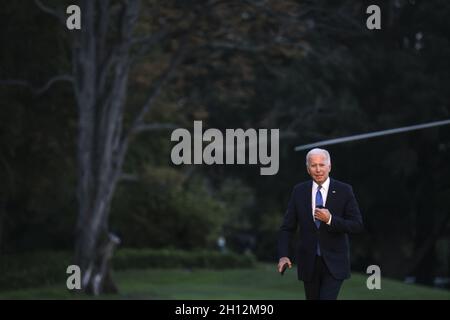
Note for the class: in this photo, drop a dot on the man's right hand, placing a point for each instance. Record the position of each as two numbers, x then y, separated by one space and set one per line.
282 262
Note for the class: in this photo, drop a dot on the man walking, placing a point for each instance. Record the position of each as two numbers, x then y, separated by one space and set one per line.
325 210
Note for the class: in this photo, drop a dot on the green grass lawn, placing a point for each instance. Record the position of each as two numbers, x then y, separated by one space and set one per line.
260 283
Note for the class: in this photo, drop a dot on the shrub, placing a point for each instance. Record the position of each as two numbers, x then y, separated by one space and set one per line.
33 269
46 268
170 258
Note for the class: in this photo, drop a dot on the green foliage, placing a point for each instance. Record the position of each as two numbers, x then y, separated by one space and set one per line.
238 199
162 210
33 269
260 283
45 268
170 258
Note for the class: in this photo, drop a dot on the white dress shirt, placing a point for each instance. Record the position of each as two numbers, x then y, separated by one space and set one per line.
324 192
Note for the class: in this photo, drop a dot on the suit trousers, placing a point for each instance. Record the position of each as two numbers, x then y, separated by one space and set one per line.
323 286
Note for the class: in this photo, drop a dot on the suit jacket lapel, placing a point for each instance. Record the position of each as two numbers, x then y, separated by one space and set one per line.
308 196
330 197
331 194
308 204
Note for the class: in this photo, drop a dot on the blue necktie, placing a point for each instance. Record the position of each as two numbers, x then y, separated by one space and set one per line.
319 202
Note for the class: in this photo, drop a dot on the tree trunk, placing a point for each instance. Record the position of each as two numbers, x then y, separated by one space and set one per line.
95 261
100 89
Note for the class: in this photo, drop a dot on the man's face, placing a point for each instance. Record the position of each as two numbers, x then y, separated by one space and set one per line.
318 168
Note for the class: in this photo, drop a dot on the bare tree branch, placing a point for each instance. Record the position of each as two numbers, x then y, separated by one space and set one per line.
103 25
159 83
128 20
57 14
39 90
146 42
151 39
247 47
138 121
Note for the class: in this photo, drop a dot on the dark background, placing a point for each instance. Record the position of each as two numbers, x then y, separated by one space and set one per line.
310 68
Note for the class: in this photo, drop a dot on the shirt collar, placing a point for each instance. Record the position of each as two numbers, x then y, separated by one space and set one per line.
325 185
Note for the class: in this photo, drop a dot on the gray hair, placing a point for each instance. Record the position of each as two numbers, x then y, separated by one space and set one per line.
317 151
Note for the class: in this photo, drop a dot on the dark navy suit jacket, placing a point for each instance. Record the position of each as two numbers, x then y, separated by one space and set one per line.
333 239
